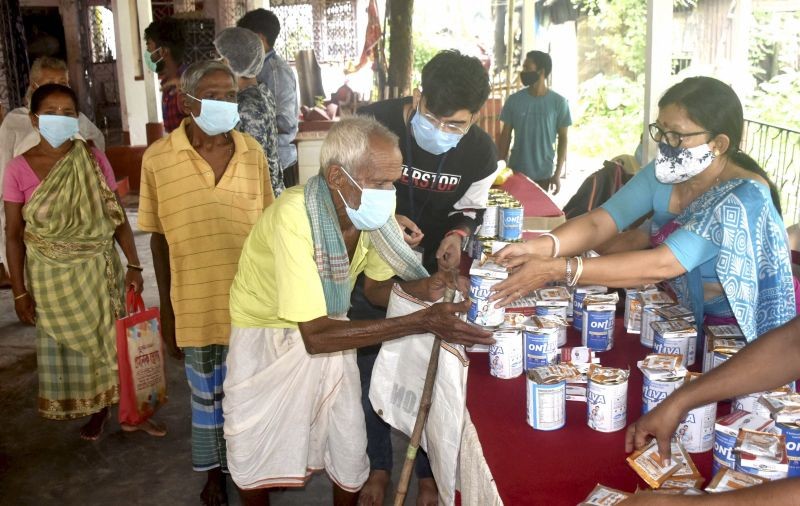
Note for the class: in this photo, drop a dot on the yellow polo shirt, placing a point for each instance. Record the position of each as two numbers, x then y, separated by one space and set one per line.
205 226
278 283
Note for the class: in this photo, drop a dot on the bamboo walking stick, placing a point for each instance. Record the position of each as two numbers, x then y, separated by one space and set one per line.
422 413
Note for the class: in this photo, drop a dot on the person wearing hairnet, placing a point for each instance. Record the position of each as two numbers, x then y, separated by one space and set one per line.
242 51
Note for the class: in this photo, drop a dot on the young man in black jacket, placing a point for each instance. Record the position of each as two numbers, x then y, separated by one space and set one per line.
449 164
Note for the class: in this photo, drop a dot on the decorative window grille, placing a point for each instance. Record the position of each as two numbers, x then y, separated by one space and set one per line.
326 26
102 37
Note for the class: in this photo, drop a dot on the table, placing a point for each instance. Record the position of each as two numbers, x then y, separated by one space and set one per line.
563 466
539 210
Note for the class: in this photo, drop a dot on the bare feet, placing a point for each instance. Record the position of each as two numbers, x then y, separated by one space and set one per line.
214 493
374 490
428 494
149 426
254 497
94 427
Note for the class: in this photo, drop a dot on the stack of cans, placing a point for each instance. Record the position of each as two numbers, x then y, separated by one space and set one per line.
648 302
722 342
502 219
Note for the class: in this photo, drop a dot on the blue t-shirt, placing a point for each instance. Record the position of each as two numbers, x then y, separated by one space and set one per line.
644 193
535 121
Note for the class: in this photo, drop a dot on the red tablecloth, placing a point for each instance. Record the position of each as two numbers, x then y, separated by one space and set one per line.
534 200
562 466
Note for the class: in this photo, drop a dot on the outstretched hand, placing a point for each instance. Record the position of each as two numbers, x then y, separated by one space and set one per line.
660 423
528 272
442 319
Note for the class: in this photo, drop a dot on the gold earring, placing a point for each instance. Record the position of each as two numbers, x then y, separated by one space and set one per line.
716 152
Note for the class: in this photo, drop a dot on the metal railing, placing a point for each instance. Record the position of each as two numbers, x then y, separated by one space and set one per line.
777 150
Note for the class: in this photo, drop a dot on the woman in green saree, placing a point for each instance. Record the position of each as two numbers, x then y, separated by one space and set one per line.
63 218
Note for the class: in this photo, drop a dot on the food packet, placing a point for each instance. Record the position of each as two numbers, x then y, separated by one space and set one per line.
647 464
783 407
604 496
727 479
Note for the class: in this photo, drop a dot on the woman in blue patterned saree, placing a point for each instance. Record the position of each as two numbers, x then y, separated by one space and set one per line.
716 232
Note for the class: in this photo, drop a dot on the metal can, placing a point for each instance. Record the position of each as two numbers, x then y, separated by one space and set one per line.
607 402
598 322
577 303
545 309
725 431
546 404
510 222
505 355
490 218
792 434
672 337
649 301
541 343
656 389
482 311
633 311
696 431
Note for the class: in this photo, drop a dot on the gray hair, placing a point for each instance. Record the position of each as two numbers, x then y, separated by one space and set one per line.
42 63
347 143
197 71
48 62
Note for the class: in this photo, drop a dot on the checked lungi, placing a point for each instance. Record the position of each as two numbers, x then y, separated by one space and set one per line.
205 371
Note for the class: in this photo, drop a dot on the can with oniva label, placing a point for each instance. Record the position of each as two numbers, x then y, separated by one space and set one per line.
656 388
577 302
554 302
598 321
607 399
510 221
672 337
482 311
696 431
792 434
546 401
678 312
649 302
541 340
505 355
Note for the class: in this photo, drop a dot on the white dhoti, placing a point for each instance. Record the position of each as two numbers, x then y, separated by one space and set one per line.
288 413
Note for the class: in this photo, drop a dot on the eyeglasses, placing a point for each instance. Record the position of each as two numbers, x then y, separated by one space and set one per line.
674 139
444 126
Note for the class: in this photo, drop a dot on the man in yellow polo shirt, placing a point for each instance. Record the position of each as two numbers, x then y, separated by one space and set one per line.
292 393
203 188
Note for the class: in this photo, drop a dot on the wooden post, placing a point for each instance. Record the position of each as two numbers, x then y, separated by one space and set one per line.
401 45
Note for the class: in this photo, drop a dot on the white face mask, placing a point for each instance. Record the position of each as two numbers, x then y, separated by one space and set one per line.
676 165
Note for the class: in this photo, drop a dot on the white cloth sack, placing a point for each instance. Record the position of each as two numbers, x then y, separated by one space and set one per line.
396 388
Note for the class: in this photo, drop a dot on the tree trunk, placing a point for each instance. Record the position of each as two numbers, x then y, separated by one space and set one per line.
401 50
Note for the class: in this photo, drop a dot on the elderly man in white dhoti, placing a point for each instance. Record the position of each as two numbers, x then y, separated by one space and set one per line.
292 395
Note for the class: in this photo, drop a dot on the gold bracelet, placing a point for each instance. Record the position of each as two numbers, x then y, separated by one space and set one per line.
23 294
136 267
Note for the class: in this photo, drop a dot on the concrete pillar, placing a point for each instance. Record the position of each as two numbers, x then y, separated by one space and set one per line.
741 81
528 26
658 60
130 48
154 128
258 4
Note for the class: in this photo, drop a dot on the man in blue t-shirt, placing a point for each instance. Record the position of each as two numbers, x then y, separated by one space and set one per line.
536 114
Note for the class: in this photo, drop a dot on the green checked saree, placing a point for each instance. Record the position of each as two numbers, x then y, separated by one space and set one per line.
75 277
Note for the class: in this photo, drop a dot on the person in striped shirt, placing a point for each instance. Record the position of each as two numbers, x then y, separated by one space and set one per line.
203 187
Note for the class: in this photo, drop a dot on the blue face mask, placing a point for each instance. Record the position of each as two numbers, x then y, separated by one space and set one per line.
430 138
57 130
216 116
148 59
377 206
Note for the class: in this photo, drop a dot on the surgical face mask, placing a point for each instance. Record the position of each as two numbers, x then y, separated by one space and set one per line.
148 59
528 78
430 138
57 130
676 165
377 206
216 116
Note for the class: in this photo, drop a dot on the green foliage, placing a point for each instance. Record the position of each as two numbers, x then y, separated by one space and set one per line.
773 101
425 48
620 31
610 112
